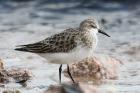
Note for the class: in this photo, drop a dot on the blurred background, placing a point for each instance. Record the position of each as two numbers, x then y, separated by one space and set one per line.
27 21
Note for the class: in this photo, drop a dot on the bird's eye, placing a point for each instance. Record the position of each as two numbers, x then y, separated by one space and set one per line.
93 26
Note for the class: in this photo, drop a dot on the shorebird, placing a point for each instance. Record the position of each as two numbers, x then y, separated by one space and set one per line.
71 45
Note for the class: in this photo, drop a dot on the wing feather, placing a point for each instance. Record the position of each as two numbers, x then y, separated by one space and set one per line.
62 42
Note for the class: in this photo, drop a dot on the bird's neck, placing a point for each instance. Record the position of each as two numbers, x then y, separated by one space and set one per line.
93 35
90 38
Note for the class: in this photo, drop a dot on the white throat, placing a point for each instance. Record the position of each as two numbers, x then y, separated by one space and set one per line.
94 30
93 33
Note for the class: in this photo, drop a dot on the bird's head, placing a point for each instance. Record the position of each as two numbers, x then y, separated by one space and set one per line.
91 25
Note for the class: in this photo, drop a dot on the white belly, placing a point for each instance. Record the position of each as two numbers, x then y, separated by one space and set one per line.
67 58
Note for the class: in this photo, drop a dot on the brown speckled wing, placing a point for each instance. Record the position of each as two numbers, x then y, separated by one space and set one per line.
62 42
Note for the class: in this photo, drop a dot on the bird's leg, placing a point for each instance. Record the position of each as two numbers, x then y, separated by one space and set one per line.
60 70
68 70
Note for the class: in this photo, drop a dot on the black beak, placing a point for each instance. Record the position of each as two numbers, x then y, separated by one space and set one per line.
102 32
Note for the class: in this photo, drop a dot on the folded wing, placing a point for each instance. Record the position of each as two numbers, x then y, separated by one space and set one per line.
62 42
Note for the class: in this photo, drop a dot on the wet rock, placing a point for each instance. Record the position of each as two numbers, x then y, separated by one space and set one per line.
76 88
11 91
95 68
55 89
4 78
18 75
1 64
3 73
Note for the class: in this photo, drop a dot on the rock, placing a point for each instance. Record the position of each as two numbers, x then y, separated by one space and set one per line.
1 64
55 89
11 91
19 75
95 68
76 88
4 78
3 73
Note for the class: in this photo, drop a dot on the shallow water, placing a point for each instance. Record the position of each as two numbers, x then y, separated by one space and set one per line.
28 22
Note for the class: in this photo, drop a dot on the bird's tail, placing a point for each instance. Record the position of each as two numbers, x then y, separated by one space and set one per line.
21 49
